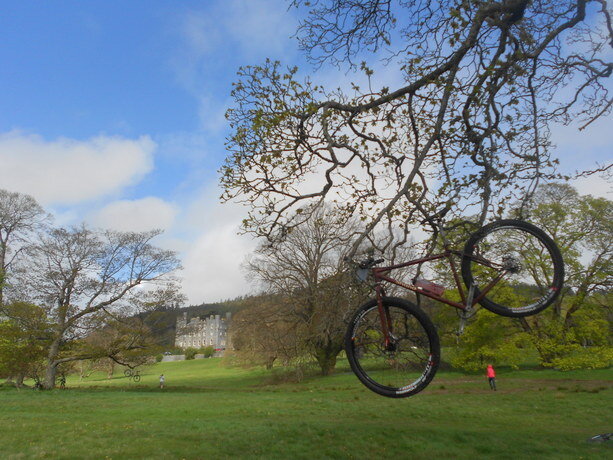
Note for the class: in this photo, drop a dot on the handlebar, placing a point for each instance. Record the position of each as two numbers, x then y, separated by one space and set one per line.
362 269
370 262
366 263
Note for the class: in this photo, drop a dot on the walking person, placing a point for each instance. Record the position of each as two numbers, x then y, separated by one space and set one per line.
491 376
162 381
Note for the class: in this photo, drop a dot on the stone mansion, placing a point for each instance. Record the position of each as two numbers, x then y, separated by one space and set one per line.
211 331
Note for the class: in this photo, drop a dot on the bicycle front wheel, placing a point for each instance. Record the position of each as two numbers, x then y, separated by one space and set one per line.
404 365
136 378
526 260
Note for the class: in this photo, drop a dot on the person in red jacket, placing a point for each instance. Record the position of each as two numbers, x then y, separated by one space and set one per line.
491 375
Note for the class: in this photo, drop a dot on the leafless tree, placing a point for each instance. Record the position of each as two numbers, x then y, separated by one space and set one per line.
318 294
307 272
84 279
265 332
20 217
483 80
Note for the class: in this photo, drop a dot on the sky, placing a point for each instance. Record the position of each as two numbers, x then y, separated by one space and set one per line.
112 114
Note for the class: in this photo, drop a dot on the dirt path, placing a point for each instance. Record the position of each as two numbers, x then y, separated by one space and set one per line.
516 385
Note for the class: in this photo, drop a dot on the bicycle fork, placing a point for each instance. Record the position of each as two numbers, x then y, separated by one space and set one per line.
467 313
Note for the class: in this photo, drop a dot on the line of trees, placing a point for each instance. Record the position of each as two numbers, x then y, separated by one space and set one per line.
469 124
311 295
70 294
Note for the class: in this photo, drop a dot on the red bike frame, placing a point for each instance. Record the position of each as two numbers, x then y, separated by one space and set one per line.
381 274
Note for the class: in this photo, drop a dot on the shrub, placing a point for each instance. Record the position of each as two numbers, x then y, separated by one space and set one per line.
489 339
190 353
207 351
584 358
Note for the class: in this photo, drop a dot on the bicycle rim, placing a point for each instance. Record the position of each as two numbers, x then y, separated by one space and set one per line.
405 366
530 261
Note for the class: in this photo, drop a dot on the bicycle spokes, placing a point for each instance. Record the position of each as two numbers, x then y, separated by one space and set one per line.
515 268
399 358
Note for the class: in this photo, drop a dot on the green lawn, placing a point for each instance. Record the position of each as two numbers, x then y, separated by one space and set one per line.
211 411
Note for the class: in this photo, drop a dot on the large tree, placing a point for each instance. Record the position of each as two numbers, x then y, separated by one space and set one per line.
85 280
482 82
575 332
315 293
582 226
306 271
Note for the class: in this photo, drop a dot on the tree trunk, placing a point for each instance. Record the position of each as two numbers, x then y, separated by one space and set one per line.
2 271
51 370
326 358
270 361
110 369
1 284
50 374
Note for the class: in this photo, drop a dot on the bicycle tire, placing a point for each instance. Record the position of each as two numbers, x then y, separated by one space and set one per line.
532 262
128 372
410 366
136 378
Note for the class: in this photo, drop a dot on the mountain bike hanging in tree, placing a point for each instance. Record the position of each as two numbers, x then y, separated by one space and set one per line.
510 267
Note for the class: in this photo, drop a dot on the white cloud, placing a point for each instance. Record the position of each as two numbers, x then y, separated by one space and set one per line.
594 185
261 27
585 150
135 215
68 171
219 37
212 266
245 28
212 262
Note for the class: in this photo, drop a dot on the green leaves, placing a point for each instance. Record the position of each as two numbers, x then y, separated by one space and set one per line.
490 339
23 339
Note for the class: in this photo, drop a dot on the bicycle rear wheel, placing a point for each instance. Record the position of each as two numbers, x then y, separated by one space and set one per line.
529 261
408 363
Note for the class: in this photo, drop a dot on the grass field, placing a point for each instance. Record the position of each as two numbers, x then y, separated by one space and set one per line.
212 411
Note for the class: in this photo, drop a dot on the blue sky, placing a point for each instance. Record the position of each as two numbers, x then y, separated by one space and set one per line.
140 68
111 112
99 67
